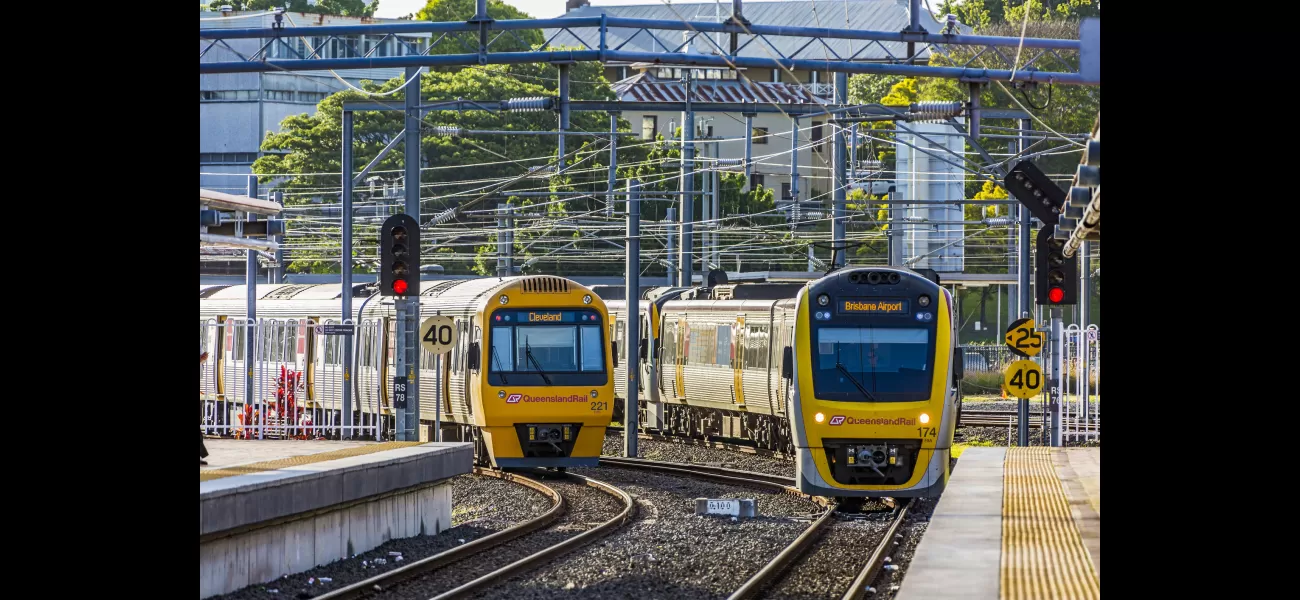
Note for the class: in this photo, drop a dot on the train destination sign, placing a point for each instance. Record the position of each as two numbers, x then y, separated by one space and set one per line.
503 317
887 306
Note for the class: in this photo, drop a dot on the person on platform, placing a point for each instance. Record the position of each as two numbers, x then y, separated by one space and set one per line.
203 450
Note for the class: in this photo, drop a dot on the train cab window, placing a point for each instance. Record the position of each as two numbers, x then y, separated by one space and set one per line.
723 334
593 355
553 347
890 364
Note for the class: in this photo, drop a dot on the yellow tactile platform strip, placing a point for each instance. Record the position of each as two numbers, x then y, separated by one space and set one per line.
305 459
1043 555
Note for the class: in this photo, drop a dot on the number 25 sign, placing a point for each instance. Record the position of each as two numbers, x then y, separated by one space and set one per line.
1023 340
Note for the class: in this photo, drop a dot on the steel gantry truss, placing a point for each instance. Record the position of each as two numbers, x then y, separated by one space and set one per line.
987 58
982 59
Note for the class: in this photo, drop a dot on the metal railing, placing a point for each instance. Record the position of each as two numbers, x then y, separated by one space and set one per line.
1081 394
282 388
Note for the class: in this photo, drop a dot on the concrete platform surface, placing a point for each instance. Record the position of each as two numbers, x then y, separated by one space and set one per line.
228 453
1013 524
253 493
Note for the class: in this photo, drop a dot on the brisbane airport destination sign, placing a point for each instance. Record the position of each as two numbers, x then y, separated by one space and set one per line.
886 306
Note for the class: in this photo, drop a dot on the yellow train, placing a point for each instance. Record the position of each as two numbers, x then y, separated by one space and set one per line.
529 379
852 373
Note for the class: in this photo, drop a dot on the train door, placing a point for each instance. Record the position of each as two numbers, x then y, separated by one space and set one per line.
312 354
737 360
683 351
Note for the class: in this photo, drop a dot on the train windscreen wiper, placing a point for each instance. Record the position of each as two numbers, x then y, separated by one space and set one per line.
500 371
861 388
528 351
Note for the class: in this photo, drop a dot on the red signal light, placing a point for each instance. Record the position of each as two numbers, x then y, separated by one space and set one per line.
1055 295
399 286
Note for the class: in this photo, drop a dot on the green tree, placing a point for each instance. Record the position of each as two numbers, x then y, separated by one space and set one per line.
463 10
309 145
349 8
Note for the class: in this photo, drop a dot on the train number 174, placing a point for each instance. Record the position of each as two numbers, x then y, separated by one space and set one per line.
927 432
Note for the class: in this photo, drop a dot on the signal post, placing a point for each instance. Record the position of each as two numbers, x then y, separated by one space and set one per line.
399 278
1056 276
1023 378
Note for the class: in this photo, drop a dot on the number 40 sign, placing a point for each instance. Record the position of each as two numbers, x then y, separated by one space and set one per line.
438 335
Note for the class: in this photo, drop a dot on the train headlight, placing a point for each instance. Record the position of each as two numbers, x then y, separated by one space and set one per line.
504 299
586 299
925 418
823 300
594 393
820 417
924 300
502 394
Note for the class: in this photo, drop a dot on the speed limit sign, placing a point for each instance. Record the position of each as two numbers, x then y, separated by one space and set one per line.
1023 379
438 335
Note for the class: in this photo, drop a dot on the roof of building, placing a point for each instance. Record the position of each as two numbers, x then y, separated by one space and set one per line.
873 15
263 19
644 87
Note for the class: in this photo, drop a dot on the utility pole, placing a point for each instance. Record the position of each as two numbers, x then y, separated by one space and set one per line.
685 263
250 307
632 334
408 308
839 156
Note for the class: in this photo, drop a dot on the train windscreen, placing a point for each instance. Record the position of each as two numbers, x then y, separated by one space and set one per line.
873 364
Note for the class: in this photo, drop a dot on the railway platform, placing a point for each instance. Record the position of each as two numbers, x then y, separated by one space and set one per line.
269 508
1013 524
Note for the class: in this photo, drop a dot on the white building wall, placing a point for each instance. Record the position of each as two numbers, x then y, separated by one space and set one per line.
932 236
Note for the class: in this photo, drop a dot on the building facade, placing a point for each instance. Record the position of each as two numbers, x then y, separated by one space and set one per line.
237 110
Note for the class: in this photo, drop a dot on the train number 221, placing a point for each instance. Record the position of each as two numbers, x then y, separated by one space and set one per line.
599 406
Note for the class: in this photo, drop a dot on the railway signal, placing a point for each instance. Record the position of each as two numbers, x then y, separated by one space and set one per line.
1032 188
399 257
1056 278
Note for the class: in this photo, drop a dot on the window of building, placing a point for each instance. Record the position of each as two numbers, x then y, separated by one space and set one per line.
785 191
227 158
776 75
649 125
817 136
313 97
755 181
760 135
279 95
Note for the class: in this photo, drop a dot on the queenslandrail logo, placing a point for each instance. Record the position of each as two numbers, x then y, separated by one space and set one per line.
517 398
843 420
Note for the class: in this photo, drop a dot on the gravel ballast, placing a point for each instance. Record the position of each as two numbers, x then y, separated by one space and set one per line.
831 564
668 551
587 507
481 506
700 455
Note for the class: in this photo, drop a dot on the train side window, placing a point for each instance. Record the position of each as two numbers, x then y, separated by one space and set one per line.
723 345
618 333
670 343
756 347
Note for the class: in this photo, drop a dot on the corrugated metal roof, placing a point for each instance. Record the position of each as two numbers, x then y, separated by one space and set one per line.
874 15
644 87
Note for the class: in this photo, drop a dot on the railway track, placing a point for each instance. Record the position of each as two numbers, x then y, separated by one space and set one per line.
777 569
436 564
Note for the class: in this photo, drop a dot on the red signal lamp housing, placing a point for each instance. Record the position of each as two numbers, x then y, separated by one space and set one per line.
1055 295
399 287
